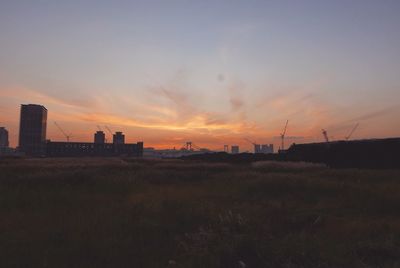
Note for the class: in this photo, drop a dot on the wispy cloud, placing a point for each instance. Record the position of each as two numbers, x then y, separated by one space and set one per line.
27 95
172 108
372 115
236 97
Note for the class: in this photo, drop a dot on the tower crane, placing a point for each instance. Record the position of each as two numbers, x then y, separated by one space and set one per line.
325 133
283 135
256 145
109 130
63 132
351 132
246 139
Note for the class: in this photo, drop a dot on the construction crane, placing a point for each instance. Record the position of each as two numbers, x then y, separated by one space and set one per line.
325 134
283 135
253 143
63 132
246 139
352 131
257 146
109 130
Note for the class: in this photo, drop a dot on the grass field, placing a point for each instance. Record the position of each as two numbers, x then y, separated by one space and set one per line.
131 213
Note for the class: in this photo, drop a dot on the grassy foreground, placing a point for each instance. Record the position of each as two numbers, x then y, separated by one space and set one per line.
130 213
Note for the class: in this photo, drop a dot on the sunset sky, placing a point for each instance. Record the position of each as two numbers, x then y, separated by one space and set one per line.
212 72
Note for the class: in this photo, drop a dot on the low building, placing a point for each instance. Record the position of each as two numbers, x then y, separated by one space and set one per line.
79 149
267 148
234 149
370 153
263 148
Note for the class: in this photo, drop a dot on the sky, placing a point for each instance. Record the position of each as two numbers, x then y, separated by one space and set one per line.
211 72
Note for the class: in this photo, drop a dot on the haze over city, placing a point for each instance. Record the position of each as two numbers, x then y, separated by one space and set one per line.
213 72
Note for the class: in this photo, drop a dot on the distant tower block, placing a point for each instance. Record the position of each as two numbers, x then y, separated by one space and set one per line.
3 138
99 137
267 149
226 148
32 129
118 138
257 148
235 149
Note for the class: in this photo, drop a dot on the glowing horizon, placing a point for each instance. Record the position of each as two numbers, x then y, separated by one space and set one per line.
204 129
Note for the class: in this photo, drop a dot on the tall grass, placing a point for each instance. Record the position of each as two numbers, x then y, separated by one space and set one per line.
146 213
287 166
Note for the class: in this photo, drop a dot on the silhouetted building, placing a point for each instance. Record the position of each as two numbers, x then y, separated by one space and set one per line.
79 149
373 153
235 149
99 137
32 129
3 138
263 148
226 148
267 149
118 138
365 154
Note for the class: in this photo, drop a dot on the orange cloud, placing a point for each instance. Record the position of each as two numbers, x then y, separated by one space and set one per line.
168 116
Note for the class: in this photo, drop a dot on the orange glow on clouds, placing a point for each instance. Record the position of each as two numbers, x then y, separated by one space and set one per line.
167 118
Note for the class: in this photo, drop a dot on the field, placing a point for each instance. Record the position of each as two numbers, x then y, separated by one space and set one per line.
172 213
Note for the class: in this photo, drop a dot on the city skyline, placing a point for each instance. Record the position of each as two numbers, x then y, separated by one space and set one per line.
213 72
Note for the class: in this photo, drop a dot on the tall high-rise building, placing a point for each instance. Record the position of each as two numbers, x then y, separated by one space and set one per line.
99 137
118 138
3 138
32 129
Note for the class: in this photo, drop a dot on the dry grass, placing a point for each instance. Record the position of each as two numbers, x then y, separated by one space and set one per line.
146 213
289 166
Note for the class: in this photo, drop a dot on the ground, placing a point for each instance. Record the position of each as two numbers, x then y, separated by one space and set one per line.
171 213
